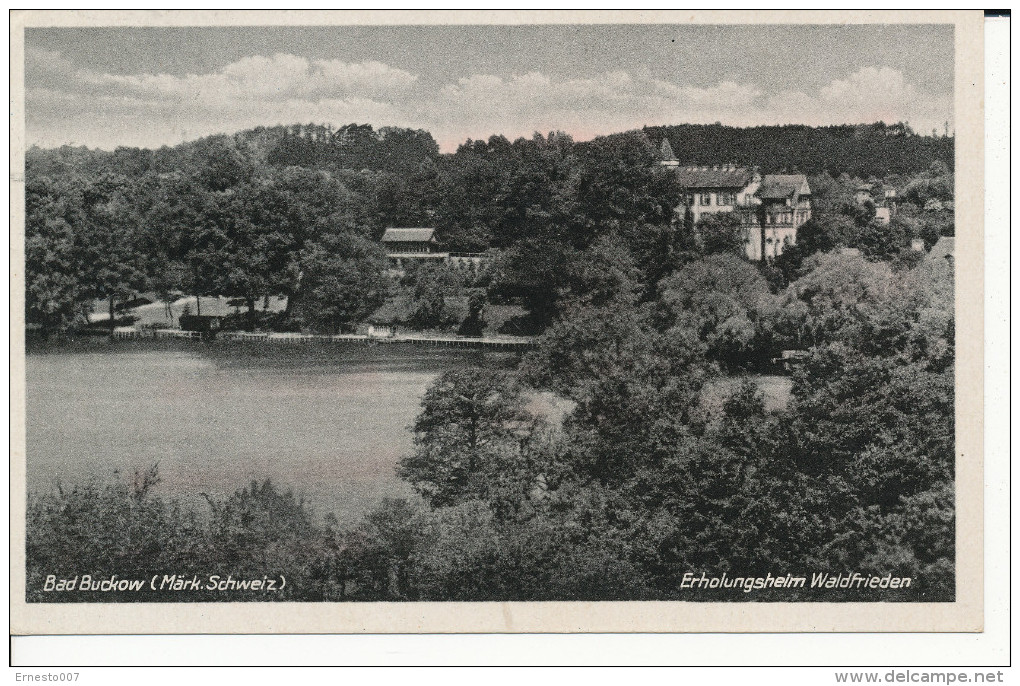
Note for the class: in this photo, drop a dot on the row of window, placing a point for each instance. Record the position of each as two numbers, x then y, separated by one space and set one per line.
788 218
705 199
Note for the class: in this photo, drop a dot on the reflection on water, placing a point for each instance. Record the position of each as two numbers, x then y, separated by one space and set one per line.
329 422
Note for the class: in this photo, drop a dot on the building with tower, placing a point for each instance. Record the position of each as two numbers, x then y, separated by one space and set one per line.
770 207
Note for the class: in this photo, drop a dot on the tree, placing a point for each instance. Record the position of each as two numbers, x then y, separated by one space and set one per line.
635 388
532 271
175 208
113 266
726 303
721 232
603 273
344 281
619 185
54 293
657 249
471 436
433 282
936 184
883 241
474 323
220 163
402 150
830 299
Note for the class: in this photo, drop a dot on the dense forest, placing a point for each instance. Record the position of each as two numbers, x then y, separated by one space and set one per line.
297 211
858 150
653 472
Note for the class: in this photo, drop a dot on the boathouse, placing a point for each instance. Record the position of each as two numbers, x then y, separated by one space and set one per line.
403 244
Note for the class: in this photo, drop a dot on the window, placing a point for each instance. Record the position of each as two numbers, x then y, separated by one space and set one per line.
728 199
706 199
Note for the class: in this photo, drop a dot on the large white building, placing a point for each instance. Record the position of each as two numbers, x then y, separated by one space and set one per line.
771 207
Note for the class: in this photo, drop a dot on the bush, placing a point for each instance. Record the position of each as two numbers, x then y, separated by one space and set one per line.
122 529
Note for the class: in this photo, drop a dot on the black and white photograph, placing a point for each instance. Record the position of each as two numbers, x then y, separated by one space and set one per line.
373 315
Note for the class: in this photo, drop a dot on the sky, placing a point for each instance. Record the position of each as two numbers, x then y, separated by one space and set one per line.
109 87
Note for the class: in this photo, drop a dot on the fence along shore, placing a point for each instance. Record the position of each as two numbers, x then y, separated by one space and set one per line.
501 343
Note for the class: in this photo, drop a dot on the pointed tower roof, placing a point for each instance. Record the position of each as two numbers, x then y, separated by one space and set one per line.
666 151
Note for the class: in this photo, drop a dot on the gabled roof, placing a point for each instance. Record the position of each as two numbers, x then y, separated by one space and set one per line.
783 186
725 176
408 235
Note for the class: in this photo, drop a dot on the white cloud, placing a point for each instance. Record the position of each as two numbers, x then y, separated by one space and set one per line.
69 104
868 95
612 101
278 77
884 86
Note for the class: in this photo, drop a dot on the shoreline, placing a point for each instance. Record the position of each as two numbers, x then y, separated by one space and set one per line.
263 345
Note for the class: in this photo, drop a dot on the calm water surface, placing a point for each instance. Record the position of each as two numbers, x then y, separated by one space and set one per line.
330 423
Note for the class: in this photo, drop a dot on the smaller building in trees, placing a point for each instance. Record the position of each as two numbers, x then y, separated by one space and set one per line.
403 244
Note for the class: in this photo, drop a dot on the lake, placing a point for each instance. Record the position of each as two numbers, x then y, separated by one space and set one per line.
328 421
331 422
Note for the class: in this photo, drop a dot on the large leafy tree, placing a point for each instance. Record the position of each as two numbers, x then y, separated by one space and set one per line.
471 438
619 184
533 272
432 282
113 263
344 280
54 293
726 302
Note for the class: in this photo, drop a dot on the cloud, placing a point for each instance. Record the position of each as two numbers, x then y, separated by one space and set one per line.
47 68
80 106
280 77
868 95
611 101
480 105
68 104
883 86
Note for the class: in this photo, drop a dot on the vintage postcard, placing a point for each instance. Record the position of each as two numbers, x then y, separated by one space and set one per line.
345 322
